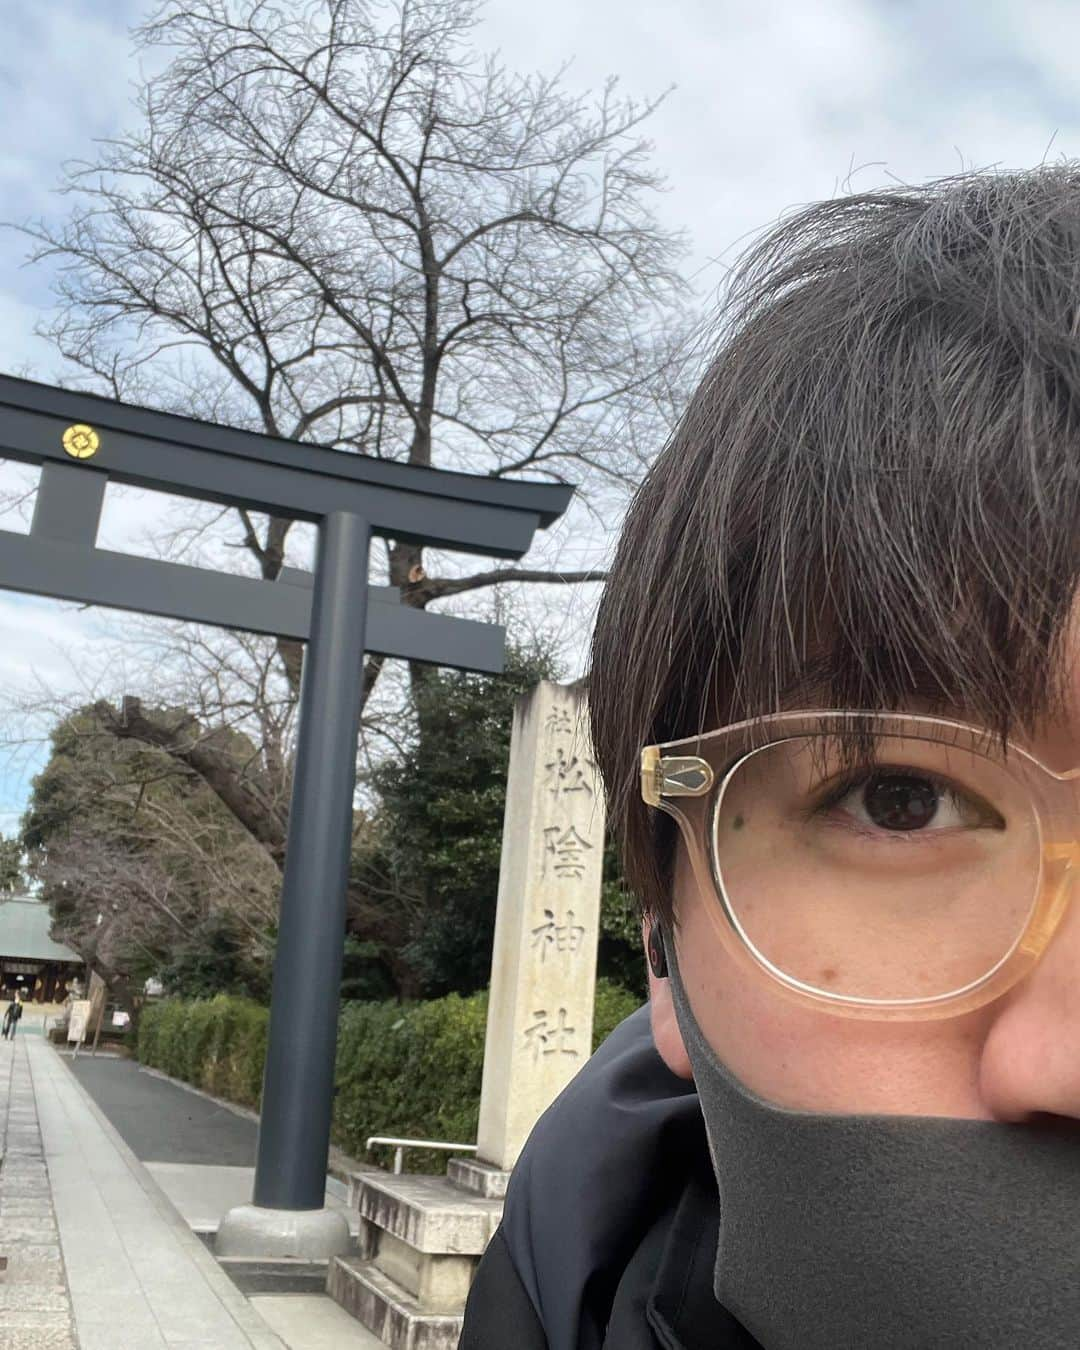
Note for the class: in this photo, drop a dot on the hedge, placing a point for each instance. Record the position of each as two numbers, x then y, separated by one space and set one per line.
216 1044
408 1069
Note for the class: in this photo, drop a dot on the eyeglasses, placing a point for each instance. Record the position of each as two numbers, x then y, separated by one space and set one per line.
875 865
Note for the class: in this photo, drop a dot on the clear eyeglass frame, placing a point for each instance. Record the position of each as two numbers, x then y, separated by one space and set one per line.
686 780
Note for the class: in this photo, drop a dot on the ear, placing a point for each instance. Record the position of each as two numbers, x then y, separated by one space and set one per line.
665 1028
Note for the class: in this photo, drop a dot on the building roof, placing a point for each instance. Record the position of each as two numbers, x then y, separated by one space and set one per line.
24 932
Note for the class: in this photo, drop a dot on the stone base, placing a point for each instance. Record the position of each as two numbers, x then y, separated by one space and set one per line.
421 1239
439 1283
479 1178
428 1213
382 1306
307 1234
284 1275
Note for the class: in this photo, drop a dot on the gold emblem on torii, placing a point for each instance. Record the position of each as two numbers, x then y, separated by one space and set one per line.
81 441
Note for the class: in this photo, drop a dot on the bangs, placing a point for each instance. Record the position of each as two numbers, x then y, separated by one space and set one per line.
902 520
873 500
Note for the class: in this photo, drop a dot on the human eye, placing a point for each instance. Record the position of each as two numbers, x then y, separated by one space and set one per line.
904 802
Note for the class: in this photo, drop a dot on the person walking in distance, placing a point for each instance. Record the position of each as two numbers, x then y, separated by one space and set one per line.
11 1017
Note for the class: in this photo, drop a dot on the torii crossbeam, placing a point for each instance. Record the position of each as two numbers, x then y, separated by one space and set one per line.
82 443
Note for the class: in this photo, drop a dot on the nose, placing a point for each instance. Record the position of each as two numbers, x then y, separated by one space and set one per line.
1030 1062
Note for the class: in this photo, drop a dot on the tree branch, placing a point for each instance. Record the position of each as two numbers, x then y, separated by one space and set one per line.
420 593
186 741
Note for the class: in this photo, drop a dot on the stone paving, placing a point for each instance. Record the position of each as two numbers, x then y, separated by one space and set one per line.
139 1278
98 1257
35 1304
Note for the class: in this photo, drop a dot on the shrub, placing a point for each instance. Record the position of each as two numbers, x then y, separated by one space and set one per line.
613 1005
409 1069
217 1044
193 1052
161 1035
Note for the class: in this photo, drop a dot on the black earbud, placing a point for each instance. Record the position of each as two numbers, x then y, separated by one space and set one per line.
657 955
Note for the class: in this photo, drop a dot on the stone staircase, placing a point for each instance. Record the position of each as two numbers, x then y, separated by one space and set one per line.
421 1239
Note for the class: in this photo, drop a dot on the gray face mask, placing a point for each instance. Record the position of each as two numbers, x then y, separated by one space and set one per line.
844 1232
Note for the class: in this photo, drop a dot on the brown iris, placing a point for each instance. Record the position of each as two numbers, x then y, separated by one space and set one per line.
900 801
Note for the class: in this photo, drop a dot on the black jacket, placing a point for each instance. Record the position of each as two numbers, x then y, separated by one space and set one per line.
608 1238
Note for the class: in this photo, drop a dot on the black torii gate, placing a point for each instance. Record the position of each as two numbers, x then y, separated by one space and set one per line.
83 442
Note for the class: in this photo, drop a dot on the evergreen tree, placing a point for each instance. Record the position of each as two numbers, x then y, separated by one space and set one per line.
143 868
12 877
437 832
439 820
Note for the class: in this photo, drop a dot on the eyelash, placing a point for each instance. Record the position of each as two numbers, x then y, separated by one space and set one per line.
835 792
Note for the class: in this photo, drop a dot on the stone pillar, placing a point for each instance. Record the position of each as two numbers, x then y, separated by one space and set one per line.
543 973
422 1237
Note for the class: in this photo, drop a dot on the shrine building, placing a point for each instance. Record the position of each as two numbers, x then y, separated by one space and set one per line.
29 958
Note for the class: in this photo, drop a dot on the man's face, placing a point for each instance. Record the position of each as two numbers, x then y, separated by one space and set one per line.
1009 1060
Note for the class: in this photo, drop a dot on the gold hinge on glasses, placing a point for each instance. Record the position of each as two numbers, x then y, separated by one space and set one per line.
673 775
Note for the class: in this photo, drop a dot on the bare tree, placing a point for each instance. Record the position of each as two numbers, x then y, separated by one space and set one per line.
339 223
369 237
160 824
111 906
134 851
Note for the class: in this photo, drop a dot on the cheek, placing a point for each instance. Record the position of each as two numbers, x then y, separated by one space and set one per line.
769 1044
797 1057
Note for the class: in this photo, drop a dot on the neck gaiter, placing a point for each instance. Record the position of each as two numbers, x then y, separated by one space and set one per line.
846 1232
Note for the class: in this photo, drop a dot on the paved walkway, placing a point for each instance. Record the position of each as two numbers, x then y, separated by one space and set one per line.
35 1306
98 1256
200 1151
162 1122
136 1277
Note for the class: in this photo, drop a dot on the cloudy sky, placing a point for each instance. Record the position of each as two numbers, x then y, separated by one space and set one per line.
774 104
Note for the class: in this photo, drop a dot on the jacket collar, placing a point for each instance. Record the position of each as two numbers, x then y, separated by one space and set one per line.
682 1311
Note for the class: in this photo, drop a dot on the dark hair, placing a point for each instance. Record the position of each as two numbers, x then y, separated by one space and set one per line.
874 493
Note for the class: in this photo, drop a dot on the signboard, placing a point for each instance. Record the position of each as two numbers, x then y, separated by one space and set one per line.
79 1021
21 967
96 994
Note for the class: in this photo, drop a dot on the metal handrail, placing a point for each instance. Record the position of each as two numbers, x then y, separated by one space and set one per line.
400 1145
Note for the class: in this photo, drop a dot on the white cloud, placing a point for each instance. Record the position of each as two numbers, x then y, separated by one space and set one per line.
778 101
66 77
47 650
22 352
